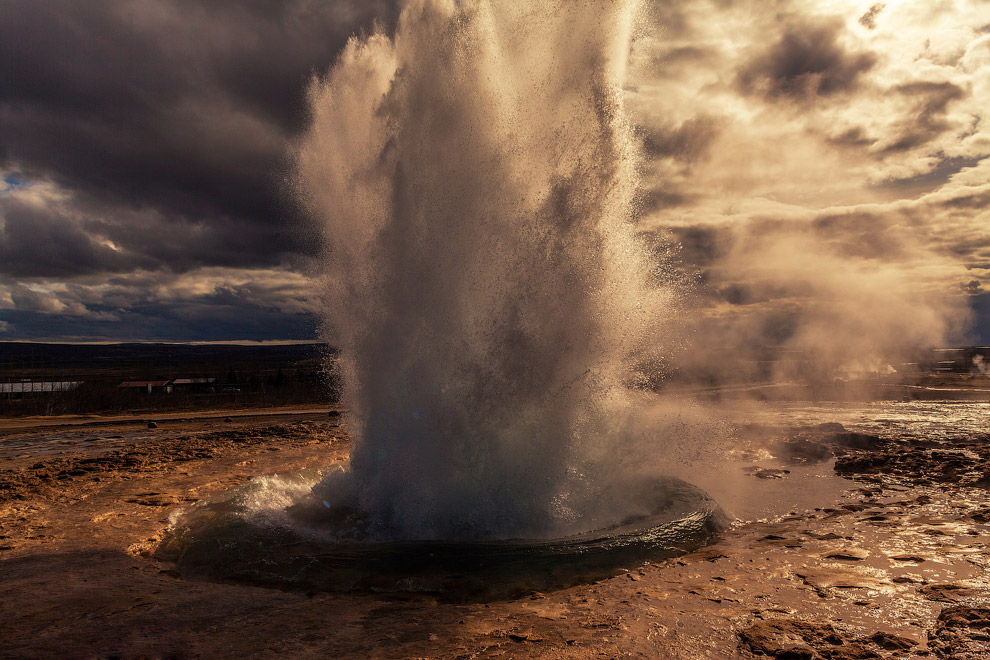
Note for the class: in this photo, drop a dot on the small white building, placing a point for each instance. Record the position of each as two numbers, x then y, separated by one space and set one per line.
36 388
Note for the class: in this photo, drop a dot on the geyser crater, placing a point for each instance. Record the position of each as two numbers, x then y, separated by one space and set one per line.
236 538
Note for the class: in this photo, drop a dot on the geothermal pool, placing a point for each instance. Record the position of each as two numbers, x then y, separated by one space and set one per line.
259 534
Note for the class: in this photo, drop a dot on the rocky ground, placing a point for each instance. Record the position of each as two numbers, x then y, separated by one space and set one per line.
896 569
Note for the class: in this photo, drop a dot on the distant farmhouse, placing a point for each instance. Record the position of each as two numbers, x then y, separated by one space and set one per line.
29 388
148 386
169 386
194 384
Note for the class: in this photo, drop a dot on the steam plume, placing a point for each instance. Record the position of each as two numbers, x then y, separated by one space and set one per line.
473 176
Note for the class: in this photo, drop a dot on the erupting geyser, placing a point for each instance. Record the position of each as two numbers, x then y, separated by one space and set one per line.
473 176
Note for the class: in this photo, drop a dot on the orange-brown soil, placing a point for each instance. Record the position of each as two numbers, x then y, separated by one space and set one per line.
896 569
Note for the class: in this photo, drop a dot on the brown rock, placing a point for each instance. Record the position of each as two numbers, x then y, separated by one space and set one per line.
949 593
981 515
831 427
851 651
154 499
788 638
847 554
889 642
961 633
854 440
801 449
768 473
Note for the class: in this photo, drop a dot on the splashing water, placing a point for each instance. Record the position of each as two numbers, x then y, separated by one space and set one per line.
473 176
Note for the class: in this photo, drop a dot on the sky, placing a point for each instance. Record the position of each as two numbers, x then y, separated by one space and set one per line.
813 169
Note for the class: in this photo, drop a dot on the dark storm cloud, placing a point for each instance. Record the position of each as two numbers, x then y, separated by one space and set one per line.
688 143
36 242
928 122
181 107
860 235
967 249
869 19
934 178
26 300
180 243
977 200
680 56
807 62
684 145
189 321
148 305
673 61
742 294
82 238
854 138
700 247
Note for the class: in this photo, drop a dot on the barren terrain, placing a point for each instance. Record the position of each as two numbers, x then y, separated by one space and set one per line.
895 569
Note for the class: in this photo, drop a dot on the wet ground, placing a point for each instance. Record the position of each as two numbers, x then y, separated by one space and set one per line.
892 566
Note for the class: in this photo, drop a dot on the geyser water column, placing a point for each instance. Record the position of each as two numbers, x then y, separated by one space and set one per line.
473 177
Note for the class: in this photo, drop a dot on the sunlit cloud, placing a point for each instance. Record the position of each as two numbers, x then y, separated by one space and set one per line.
822 168
853 131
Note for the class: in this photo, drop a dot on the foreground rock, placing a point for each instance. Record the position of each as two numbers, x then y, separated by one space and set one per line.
958 464
791 639
962 633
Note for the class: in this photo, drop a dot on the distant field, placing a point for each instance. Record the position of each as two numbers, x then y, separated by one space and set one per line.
297 374
229 375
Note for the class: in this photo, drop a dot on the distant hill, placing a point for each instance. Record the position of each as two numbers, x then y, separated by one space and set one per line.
27 360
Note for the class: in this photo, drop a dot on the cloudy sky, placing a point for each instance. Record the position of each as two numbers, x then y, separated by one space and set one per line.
823 168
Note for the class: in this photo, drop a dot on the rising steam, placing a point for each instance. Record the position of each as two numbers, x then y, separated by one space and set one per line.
473 176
